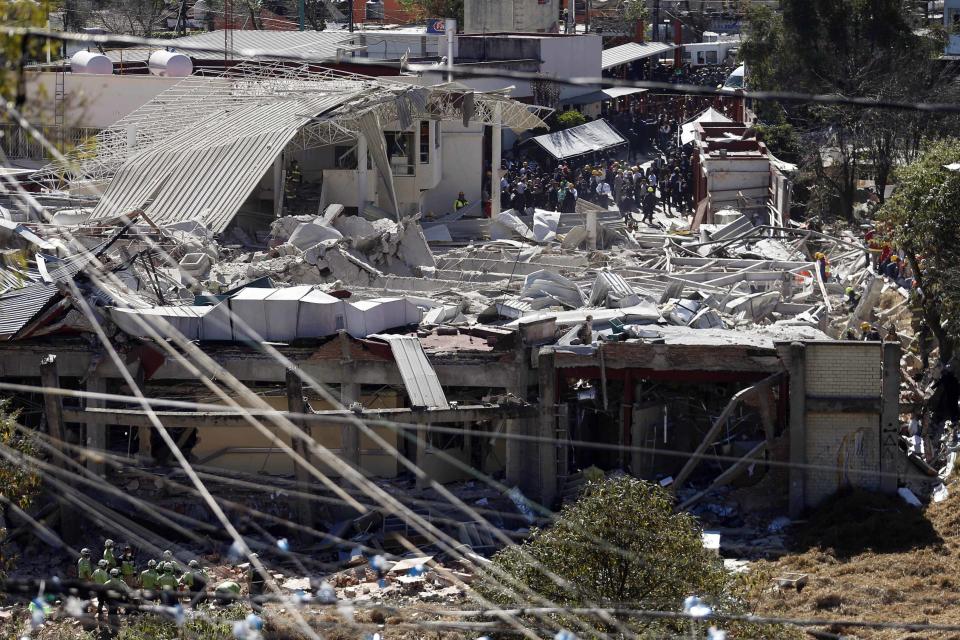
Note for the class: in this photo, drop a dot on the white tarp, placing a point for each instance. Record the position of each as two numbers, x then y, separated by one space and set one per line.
367 317
320 315
593 136
184 319
545 225
688 128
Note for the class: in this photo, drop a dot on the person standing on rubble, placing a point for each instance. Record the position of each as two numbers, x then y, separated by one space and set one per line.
892 268
108 554
460 202
649 205
101 577
84 566
149 578
128 567
870 333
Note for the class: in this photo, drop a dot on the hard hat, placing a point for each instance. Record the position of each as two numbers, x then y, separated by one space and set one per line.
849 290
194 564
167 554
168 566
108 543
819 256
152 563
102 563
254 555
865 326
894 258
114 572
650 189
84 551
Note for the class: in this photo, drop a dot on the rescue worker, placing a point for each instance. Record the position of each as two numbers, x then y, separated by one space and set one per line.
164 559
870 333
194 581
108 554
149 578
101 577
84 566
168 585
119 589
585 334
892 268
823 265
460 202
128 568
850 298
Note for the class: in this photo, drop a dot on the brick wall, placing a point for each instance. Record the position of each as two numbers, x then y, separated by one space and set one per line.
843 449
844 369
847 443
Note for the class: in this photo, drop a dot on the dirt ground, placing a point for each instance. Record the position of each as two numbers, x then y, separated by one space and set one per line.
873 558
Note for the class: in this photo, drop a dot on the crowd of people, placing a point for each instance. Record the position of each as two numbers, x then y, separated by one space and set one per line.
119 583
609 178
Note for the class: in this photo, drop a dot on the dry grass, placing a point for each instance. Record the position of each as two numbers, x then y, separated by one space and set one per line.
873 558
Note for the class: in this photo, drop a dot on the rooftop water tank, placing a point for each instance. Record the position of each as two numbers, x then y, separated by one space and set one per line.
170 64
89 62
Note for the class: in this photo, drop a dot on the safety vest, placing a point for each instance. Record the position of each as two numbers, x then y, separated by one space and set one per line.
128 568
167 582
100 576
149 580
84 569
110 558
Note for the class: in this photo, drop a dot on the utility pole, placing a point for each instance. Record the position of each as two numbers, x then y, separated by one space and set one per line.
302 12
350 17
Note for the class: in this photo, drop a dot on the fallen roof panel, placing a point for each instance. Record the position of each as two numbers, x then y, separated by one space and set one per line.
632 51
576 141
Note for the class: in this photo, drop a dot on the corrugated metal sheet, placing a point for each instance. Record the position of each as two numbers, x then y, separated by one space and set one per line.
421 381
633 51
315 44
209 172
19 308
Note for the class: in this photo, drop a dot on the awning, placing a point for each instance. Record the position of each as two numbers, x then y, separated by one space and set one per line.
602 96
593 136
688 128
633 51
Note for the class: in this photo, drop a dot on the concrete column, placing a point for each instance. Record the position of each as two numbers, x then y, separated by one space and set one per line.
53 410
496 157
296 403
798 428
96 429
593 230
363 176
423 433
145 433
349 434
547 374
518 451
278 185
890 418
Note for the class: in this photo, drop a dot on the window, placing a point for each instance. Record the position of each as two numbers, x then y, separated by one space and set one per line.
401 152
425 142
345 157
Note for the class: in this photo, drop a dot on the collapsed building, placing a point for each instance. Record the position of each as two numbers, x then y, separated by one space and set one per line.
282 243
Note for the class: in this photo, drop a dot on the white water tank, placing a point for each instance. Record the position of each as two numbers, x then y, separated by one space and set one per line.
170 64
89 62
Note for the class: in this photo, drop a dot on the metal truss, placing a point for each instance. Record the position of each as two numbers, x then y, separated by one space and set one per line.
176 111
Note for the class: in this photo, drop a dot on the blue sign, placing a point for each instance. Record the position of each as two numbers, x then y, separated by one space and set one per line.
437 26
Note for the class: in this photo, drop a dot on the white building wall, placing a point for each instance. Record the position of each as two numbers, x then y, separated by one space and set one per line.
462 164
486 16
93 101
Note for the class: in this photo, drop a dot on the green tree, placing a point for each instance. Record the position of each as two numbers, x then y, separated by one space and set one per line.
924 217
863 48
620 543
435 9
15 51
568 119
18 483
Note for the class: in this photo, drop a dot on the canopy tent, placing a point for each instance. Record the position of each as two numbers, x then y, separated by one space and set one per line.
633 51
602 96
687 131
593 136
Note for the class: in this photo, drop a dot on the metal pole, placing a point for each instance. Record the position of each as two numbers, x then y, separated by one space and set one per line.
450 26
655 36
302 12
350 18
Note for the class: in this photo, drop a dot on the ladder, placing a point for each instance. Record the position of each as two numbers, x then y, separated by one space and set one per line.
60 108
